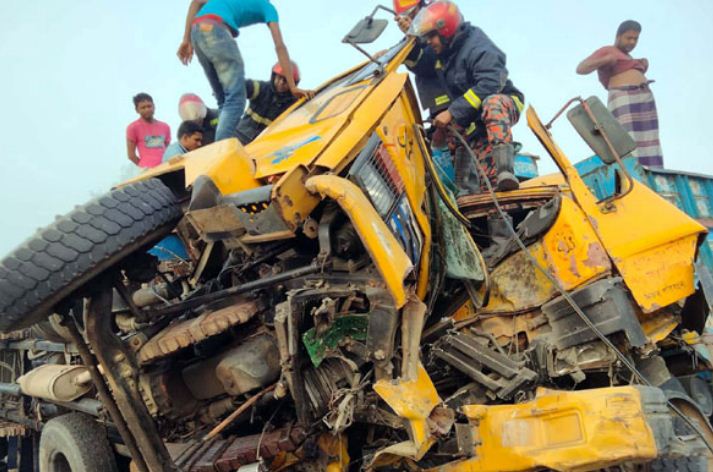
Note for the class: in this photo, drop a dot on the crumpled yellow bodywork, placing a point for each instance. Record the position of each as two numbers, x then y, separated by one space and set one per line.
225 162
388 256
651 242
414 400
570 251
584 430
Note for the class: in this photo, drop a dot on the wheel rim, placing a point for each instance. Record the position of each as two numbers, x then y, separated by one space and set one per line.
59 463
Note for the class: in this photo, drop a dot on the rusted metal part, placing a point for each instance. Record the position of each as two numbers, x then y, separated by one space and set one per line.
265 282
245 450
412 321
8 429
129 300
288 321
190 332
217 223
292 201
288 316
243 408
165 392
480 205
202 263
105 395
208 457
381 332
16 335
462 352
120 371
254 364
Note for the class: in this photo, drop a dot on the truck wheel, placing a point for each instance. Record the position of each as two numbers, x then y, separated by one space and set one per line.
77 247
75 443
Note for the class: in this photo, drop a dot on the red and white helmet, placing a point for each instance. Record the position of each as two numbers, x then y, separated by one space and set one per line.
441 16
277 69
191 107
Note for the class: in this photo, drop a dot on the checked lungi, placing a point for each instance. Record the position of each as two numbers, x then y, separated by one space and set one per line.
635 108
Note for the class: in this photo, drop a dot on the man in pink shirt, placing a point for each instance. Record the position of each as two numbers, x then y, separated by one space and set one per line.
630 98
146 135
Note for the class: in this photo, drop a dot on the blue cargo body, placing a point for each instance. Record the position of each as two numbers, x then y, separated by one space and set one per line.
692 193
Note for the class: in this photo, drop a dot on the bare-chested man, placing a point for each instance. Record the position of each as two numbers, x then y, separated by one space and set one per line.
630 97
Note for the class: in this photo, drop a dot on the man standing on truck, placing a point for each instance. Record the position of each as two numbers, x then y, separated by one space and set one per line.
630 97
146 135
481 99
210 28
267 101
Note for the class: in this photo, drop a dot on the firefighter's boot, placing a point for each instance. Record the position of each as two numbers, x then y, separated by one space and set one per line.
504 158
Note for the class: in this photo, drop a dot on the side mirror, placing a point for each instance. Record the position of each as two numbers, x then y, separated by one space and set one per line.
595 124
366 31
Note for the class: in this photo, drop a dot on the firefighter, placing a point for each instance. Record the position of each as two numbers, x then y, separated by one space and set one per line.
480 97
267 101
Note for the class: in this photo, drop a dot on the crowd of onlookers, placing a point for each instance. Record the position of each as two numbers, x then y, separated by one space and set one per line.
461 77
210 29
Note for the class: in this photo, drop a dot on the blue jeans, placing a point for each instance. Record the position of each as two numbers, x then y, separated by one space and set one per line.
220 57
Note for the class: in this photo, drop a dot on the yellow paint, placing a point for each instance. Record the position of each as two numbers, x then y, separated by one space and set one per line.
397 134
651 242
225 162
570 251
365 118
294 202
413 400
584 430
334 447
389 257
344 112
659 324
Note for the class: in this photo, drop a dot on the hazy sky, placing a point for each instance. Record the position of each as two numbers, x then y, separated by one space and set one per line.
70 69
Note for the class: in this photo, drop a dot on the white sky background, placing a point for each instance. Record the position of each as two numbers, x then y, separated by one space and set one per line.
70 68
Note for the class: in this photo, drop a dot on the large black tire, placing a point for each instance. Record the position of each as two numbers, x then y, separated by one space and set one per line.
75 443
77 247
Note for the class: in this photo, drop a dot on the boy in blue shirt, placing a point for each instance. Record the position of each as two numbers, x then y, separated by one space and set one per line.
211 26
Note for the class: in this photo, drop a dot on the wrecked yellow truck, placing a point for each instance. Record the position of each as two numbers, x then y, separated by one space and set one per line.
332 307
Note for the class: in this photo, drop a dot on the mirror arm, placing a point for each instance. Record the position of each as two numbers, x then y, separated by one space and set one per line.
630 180
382 7
371 58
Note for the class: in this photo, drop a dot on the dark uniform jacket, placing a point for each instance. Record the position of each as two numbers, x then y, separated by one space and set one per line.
209 125
265 105
471 69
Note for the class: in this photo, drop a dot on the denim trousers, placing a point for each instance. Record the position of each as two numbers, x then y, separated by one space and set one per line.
222 62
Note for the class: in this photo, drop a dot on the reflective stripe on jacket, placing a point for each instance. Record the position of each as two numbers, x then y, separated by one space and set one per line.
265 105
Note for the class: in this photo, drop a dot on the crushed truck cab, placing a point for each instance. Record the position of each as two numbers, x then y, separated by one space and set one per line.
331 306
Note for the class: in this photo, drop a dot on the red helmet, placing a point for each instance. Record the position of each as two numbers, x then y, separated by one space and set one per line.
277 69
442 16
405 6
